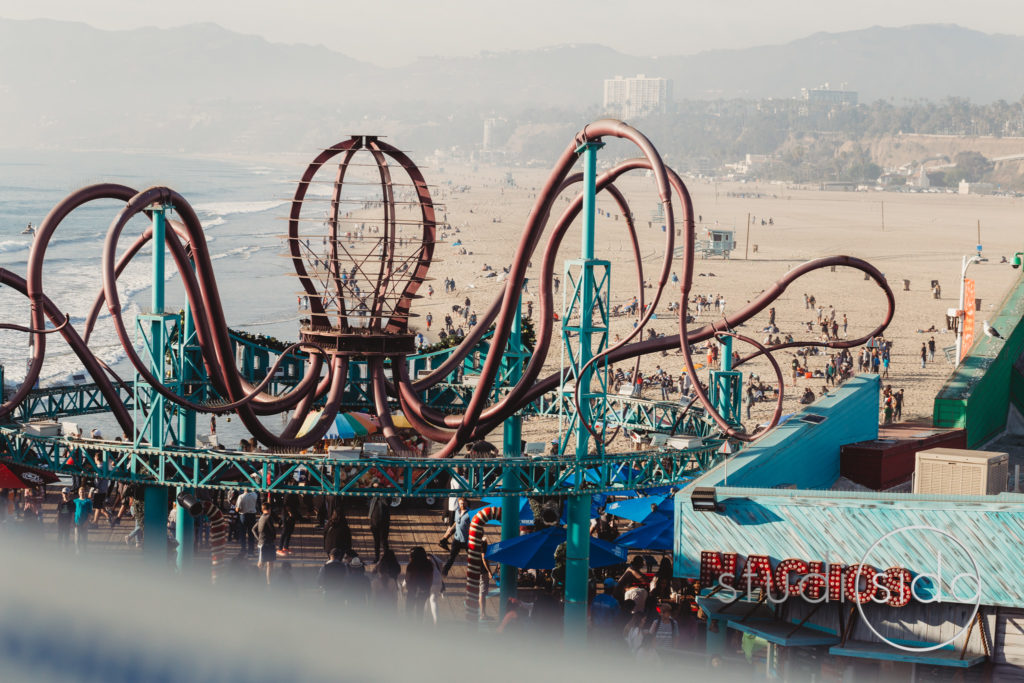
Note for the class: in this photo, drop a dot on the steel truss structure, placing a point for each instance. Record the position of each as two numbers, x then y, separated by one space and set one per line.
409 477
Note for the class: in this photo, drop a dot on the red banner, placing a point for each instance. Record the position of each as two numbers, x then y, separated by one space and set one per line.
968 332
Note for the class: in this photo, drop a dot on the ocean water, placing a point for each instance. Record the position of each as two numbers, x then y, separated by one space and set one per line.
241 206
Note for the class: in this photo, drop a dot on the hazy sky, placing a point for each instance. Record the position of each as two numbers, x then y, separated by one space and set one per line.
392 32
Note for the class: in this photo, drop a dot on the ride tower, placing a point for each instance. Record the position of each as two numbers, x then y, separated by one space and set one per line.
512 439
584 336
172 353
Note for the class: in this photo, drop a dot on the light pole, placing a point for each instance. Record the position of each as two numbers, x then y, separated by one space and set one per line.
967 262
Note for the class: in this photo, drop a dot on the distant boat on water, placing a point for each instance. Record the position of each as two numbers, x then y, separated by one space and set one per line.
29 230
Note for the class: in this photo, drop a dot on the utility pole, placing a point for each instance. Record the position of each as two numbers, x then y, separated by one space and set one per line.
746 256
883 216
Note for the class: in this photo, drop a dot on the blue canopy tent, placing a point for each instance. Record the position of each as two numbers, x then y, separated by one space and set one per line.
645 509
655 535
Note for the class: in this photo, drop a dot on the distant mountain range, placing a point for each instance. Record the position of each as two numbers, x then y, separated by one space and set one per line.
203 88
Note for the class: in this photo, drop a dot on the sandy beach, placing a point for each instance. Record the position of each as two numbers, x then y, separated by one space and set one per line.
923 238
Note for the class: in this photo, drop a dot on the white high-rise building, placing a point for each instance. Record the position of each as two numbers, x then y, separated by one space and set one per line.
629 98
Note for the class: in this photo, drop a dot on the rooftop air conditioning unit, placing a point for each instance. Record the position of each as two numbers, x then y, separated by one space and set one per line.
960 472
344 453
43 428
375 450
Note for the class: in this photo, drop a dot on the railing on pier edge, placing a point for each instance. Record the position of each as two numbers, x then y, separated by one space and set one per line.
407 477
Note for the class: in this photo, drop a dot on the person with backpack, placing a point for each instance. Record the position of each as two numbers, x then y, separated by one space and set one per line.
666 629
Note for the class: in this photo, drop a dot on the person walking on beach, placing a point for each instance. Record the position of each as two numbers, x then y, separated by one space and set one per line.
266 534
931 350
430 319
924 354
83 509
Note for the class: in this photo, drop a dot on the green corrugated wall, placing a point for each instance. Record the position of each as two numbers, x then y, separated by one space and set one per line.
978 394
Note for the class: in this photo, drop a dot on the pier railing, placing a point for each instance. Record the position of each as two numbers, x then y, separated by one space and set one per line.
407 477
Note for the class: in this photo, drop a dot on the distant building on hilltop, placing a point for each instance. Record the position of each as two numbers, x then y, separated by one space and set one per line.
922 179
825 95
495 132
630 98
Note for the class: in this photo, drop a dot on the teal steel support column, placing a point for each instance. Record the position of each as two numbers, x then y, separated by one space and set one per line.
159 232
157 331
512 440
184 534
726 385
156 497
577 551
725 347
190 360
189 377
154 524
717 637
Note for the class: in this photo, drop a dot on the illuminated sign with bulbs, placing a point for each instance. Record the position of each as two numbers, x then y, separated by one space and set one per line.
811 580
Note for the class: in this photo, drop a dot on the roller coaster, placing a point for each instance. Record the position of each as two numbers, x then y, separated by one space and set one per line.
356 350
368 328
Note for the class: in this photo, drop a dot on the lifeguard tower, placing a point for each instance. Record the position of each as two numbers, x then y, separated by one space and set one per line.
715 242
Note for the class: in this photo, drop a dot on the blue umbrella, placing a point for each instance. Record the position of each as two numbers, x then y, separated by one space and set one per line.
526 513
646 509
656 535
537 550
